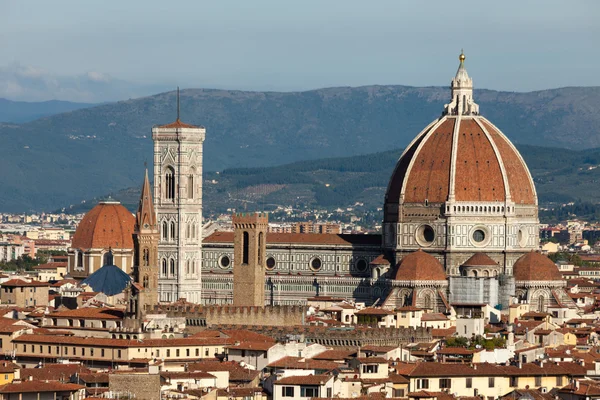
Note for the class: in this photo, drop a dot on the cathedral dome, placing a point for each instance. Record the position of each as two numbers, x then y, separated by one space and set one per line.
460 157
420 266
107 225
534 266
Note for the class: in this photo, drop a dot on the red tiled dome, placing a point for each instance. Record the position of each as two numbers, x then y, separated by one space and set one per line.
109 224
534 266
480 260
420 266
423 173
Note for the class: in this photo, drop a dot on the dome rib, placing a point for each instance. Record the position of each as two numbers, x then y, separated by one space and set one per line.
435 160
518 174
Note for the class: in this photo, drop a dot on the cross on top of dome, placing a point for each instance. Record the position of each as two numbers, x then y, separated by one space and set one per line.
462 92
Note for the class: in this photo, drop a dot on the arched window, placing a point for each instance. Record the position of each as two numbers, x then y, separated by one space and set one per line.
172 267
80 259
164 267
165 231
541 303
146 257
260 244
145 284
245 247
187 267
190 187
187 231
173 231
427 302
193 267
107 259
193 231
170 183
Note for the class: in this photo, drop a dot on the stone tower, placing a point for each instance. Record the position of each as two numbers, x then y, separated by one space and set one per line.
146 236
178 203
249 247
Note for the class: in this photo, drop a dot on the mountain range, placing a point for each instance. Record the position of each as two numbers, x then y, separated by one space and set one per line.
62 159
24 111
560 176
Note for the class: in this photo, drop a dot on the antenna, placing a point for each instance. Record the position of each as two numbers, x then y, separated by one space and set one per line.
177 103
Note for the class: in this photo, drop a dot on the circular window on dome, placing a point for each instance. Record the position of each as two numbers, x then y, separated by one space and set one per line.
316 264
361 265
270 263
425 235
224 262
479 236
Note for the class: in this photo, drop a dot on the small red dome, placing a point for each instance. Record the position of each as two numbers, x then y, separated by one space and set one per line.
420 266
480 260
108 224
534 266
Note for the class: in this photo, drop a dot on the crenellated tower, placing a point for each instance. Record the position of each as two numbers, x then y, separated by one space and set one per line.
178 202
249 247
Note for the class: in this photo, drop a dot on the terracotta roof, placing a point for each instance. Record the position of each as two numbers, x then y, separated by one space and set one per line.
374 311
423 172
89 313
51 265
95 377
314 380
107 225
335 355
442 333
380 260
121 343
237 373
39 386
186 375
479 260
178 124
20 282
304 238
434 317
534 266
420 266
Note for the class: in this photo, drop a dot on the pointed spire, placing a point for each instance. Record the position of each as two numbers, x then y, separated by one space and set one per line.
177 103
145 217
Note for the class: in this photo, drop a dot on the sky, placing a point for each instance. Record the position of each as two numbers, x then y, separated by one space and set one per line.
99 50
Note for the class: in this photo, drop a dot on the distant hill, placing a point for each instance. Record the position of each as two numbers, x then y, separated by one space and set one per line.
560 176
65 158
23 111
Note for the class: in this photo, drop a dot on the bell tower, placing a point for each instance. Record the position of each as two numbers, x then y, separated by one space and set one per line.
178 203
146 252
249 247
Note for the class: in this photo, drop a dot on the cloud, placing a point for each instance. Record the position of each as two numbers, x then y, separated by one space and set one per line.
29 72
28 83
98 77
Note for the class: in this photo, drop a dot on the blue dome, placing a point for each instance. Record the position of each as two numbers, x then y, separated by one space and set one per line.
109 279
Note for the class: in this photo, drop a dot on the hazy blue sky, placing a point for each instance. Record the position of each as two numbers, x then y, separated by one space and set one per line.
295 45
